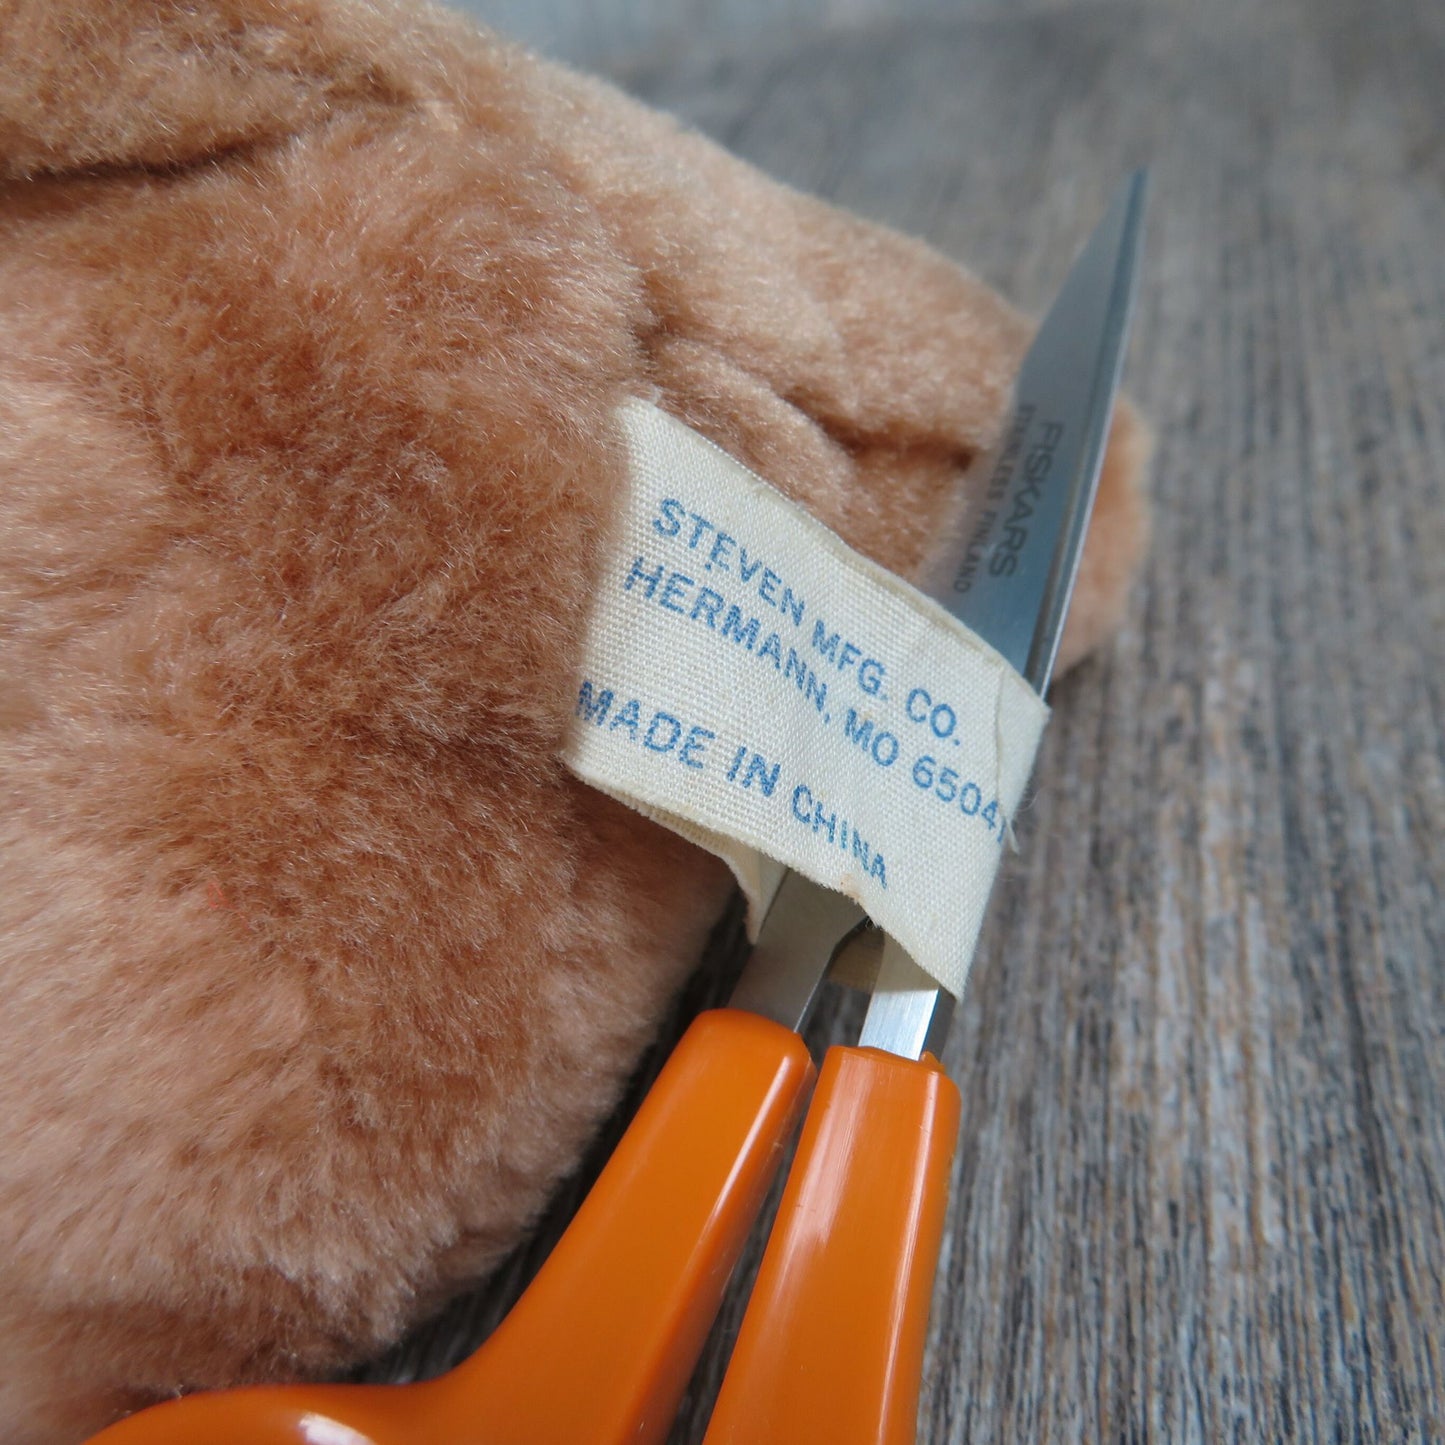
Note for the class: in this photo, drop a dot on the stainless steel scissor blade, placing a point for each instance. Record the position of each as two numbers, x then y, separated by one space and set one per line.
1009 572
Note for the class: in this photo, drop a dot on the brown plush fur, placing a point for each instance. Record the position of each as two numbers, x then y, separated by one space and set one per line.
316 968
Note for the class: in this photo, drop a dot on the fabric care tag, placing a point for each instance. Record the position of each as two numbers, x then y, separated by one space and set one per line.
768 693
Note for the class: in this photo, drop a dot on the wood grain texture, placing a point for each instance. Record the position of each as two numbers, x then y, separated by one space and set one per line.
1200 1189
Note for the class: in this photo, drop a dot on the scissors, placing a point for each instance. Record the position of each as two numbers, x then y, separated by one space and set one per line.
599 1349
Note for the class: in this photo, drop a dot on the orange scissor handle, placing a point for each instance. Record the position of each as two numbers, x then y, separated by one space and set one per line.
831 1347
599 1349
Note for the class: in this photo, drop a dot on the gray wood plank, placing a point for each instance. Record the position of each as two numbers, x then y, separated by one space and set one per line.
1200 1190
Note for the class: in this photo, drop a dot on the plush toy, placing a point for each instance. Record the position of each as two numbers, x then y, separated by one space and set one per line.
317 969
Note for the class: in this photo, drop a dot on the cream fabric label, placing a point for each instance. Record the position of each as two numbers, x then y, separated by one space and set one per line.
765 691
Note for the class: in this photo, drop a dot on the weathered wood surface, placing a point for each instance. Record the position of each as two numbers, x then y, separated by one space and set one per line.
1200 1190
